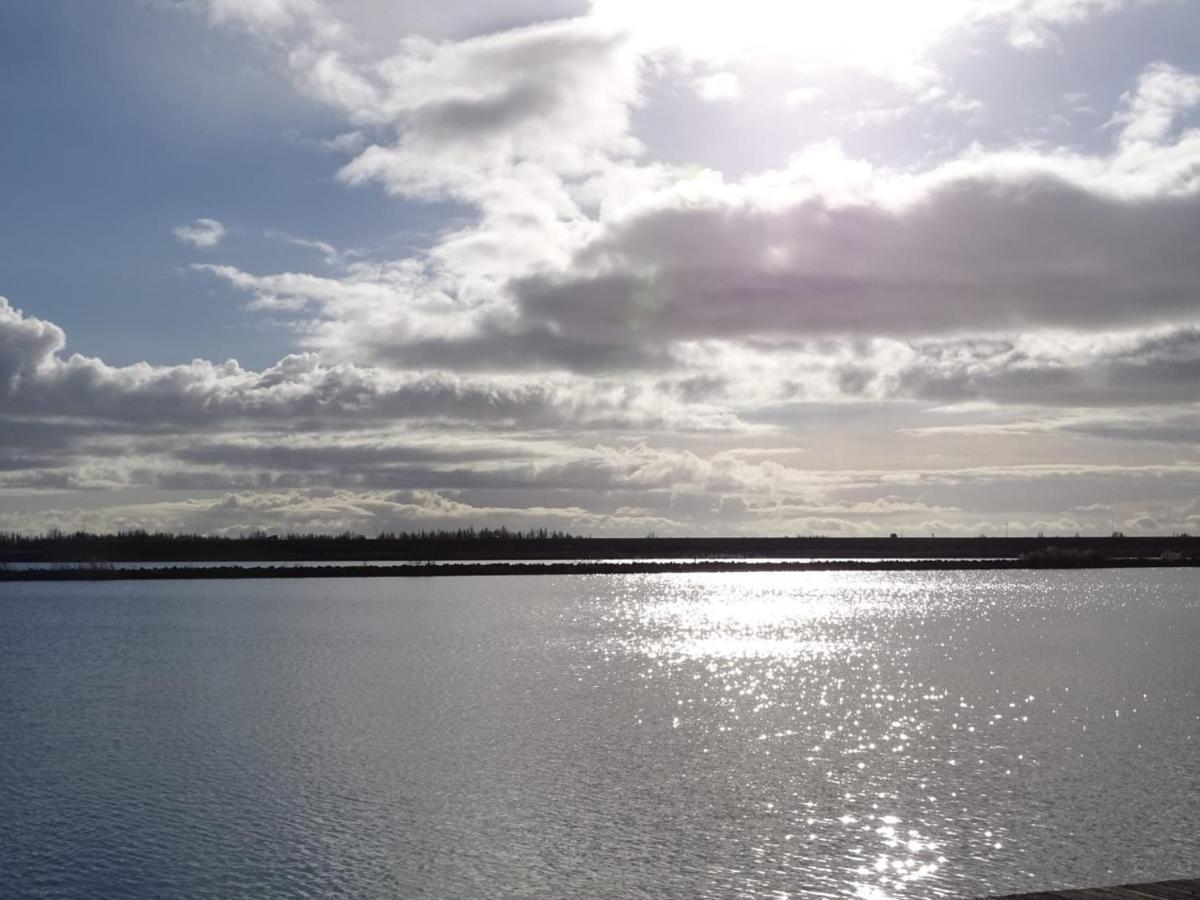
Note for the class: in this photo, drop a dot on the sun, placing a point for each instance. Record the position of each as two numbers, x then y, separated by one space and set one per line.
882 35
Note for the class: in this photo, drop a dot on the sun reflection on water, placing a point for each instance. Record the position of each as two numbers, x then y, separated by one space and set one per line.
754 617
818 679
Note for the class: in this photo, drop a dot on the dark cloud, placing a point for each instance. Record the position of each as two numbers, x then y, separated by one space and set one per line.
976 254
1154 369
1018 490
322 455
529 346
10 462
698 388
532 76
1183 431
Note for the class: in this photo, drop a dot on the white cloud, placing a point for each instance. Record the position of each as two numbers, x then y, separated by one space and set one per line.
37 380
1033 24
329 253
26 345
1162 93
203 234
349 142
719 87
270 18
803 96
555 95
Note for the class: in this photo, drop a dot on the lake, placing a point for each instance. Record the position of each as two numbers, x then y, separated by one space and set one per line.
807 734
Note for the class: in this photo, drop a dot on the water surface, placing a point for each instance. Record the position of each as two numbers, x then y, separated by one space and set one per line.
814 734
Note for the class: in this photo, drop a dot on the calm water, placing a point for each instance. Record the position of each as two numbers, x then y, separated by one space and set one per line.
881 735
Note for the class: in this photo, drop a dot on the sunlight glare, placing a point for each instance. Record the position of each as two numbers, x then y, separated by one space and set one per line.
875 34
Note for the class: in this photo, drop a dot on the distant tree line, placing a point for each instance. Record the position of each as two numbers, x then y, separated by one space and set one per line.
478 534
471 543
140 544
457 535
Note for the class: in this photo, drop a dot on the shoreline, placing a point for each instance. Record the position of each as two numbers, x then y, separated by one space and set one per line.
443 570
168 550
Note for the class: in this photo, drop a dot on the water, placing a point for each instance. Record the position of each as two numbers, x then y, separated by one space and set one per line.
870 734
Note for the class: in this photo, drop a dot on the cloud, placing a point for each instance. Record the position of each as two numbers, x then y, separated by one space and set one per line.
275 19
593 262
349 142
600 341
555 94
326 512
36 380
203 234
1155 368
1034 24
803 96
985 500
718 88
977 252
897 41
1168 428
304 445
26 345
832 245
329 253
1149 112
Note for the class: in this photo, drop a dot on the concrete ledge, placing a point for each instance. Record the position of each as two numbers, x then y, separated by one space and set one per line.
1159 890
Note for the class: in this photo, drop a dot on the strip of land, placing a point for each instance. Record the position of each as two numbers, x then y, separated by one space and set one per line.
500 545
100 573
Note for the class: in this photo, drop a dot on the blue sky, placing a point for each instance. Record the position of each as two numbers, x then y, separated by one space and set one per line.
126 121
611 266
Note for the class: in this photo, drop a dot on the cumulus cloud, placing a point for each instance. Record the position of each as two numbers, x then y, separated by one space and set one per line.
613 264
203 234
992 240
1149 112
557 95
36 379
26 345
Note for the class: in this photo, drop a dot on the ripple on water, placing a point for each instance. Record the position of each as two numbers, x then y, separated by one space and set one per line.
880 735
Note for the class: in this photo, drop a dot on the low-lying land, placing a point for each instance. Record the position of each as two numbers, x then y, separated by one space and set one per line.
429 570
501 544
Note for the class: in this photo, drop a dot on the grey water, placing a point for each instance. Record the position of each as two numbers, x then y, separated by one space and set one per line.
815 734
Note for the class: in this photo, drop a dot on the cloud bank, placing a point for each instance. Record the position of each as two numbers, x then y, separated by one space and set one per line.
607 336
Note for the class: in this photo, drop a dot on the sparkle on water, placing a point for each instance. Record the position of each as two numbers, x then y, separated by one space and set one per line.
899 716
879 735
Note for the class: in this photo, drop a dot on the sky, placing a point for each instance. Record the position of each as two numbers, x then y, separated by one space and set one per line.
613 267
